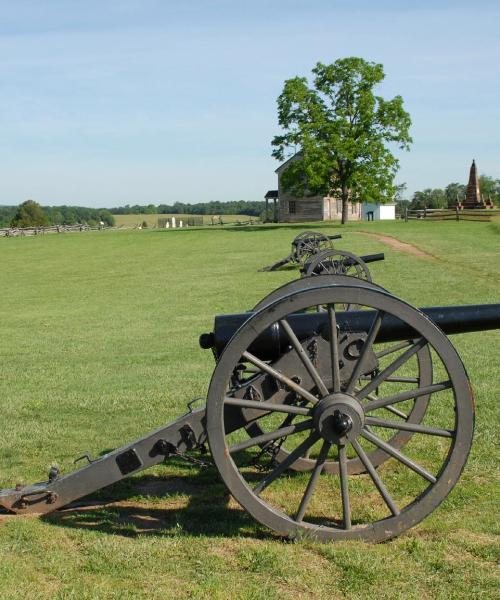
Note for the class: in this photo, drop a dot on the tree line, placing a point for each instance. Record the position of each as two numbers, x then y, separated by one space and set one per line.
448 196
234 207
31 214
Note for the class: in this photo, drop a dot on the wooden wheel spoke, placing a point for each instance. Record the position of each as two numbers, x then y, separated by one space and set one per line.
415 427
397 412
344 487
289 460
390 408
394 348
271 436
363 457
407 395
311 484
372 334
306 361
371 437
393 379
334 347
400 360
266 406
280 377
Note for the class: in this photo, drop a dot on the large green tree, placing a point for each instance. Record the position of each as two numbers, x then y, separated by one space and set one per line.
343 131
29 214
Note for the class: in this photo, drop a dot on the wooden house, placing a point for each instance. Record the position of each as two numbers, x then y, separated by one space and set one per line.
310 208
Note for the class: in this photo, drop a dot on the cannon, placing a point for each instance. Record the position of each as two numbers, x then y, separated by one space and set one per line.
340 262
333 424
305 245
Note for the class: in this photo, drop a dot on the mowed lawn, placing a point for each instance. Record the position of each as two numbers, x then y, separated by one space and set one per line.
99 344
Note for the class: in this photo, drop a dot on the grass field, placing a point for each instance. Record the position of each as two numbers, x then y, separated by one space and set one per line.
152 220
99 344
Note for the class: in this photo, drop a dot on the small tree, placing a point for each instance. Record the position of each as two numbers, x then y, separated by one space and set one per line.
399 197
342 130
429 198
29 214
454 192
106 216
490 188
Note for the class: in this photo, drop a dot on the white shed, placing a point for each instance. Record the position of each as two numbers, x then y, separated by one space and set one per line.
379 212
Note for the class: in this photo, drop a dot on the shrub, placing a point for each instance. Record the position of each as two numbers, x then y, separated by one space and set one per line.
29 214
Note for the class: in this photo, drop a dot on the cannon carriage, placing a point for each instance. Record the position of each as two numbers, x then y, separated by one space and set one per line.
315 254
335 424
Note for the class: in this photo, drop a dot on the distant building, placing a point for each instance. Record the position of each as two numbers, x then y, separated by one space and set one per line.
473 197
310 208
292 208
378 212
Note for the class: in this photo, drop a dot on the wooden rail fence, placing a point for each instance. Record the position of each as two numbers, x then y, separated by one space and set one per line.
23 231
450 214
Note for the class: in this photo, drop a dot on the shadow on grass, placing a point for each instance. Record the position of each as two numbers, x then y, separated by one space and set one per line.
194 503
253 228
287 267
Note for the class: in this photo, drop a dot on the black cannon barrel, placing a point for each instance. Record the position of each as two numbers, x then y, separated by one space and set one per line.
307 240
271 343
368 258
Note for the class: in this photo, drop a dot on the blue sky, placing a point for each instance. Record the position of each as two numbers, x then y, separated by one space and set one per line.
109 103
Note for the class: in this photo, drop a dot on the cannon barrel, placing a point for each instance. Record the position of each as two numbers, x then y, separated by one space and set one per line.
271 344
368 258
308 240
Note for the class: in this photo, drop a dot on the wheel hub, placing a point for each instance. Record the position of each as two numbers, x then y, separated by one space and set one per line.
339 418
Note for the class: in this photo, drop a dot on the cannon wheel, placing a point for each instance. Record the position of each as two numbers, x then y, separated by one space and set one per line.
336 262
414 415
309 243
344 420
298 285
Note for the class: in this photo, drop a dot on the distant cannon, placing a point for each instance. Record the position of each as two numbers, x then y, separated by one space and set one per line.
305 245
331 424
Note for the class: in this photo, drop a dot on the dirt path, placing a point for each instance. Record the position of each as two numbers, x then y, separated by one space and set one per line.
399 245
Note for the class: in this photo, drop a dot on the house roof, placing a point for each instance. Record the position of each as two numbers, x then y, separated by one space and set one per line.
289 160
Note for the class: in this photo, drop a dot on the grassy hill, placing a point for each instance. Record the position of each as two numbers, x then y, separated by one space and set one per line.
99 344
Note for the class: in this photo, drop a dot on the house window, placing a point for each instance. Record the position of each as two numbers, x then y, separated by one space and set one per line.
292 208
